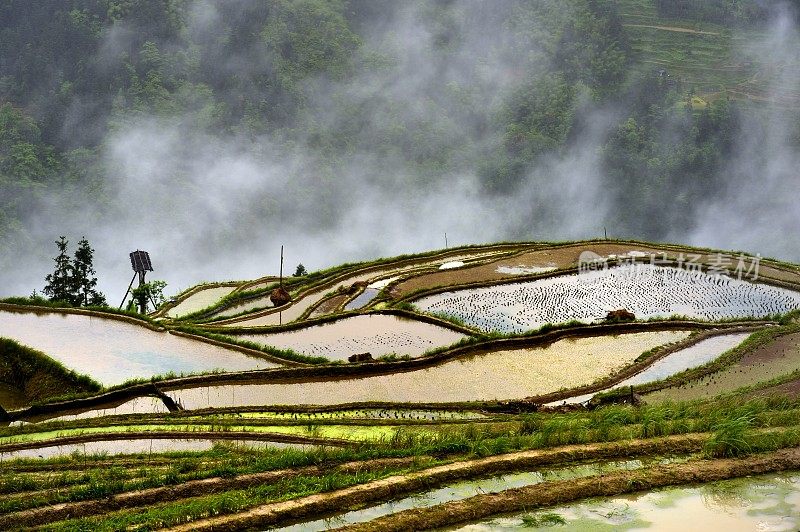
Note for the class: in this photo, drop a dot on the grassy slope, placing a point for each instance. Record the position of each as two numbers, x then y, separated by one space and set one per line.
28 376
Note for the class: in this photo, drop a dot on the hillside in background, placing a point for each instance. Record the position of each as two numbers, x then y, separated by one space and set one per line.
210 133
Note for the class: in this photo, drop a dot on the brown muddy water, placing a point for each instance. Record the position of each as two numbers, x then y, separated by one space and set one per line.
502 375
377 334
112 351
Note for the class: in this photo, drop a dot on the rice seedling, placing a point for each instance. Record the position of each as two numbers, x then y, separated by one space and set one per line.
587 297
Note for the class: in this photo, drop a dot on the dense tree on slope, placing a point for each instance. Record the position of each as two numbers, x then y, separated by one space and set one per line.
60 285
74 281
84 280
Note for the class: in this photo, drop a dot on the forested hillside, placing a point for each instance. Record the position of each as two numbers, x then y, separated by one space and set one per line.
201 125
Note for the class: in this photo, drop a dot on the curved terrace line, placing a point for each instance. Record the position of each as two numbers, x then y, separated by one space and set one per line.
355 371
339 280
276 437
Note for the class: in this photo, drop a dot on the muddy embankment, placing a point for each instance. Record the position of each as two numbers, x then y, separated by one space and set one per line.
562 492
192 488
314 506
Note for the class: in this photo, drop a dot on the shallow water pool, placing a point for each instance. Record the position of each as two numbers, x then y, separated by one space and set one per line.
768 503
112 351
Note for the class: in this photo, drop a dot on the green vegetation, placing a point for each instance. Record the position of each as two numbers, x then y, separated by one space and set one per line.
544 519
38 377
737 427
74 282
340 102
568 54
151 292
727 359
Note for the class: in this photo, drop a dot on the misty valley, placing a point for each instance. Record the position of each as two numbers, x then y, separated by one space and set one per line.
399 265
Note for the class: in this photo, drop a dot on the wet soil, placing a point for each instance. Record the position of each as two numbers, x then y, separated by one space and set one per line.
553 493
193 488
380 490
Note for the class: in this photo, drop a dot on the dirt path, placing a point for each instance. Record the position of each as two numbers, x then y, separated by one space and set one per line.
192 488
671 28
561 492
314 505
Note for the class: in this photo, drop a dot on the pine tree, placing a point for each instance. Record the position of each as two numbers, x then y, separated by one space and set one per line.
84 280
60 282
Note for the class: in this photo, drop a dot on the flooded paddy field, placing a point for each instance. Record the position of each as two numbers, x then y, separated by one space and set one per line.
143 446
527 263
468 488
137 405
763 503
199 300
329 306
301 305
353 432
511 374
647 291
113 351
258 303
695 355
154 405
775 359
377 334
362 299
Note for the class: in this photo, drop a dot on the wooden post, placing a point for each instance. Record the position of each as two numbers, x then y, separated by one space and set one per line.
142 301
445 241
281 274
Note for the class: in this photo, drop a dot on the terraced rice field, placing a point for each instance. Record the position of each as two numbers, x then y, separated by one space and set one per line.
113 351
500 375
362 299
764 502
768 362
695 355
376 334
258 303
455 441
199 300
314 296
137 405
328 306
647 291
252 431
135 446
526 263
462 490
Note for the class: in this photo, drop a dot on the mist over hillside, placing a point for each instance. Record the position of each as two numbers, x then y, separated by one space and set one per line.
211 133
